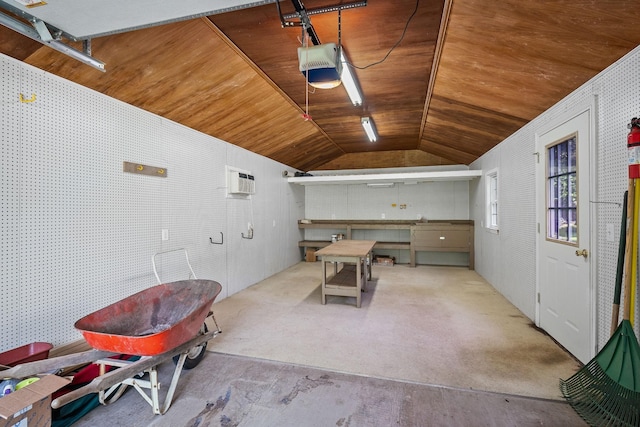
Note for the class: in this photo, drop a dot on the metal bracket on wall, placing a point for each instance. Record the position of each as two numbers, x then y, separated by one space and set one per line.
217 243
144 169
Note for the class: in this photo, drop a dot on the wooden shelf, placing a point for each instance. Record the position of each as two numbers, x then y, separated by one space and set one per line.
393 245
346 277
378 245
359 224
313 243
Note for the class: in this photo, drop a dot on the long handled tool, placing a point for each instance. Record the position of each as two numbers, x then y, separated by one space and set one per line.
634 253
615 311
606 391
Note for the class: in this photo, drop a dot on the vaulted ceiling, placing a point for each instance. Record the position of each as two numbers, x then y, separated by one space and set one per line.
465 75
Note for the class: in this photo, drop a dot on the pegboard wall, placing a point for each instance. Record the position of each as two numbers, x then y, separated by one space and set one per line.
514 244
618 91
78 233
10 202
507 259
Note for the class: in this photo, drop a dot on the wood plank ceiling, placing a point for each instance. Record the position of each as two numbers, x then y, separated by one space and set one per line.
466 75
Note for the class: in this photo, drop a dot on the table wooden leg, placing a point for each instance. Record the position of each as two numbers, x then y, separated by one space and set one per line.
358 282
324 281
363 263
366 264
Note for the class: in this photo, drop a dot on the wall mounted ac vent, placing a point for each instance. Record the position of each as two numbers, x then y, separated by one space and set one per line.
240 182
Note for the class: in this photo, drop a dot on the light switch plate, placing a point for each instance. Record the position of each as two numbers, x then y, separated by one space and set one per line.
610 236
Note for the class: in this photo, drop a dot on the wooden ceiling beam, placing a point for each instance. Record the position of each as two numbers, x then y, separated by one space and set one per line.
442 33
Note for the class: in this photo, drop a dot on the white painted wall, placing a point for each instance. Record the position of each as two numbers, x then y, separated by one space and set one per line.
427 200
507 260
77 233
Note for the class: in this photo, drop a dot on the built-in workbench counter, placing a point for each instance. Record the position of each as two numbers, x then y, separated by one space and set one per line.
432 236
442 236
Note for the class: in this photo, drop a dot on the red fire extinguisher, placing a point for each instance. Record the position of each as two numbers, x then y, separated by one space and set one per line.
633 148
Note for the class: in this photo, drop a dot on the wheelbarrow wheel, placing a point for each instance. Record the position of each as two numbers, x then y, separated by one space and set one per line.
196 353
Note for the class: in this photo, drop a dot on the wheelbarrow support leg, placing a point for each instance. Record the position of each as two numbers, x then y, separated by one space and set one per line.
106 397
153 385
174 384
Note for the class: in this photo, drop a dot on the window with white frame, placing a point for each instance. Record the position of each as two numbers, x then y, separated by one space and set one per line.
492 199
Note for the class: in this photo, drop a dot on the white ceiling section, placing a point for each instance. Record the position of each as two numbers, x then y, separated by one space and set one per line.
87 19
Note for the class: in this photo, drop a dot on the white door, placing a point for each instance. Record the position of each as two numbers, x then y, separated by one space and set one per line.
564 254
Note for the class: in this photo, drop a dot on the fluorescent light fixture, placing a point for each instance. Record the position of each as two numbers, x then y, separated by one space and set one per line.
380 184
348 81
369 128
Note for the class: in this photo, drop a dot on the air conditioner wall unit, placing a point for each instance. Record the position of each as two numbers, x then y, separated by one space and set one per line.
240 182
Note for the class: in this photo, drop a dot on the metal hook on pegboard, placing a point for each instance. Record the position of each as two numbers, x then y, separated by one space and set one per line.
217 243
28 101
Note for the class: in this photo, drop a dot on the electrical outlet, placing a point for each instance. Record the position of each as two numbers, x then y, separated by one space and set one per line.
165 234
383 216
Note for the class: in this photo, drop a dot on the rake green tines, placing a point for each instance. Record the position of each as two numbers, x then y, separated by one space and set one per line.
606 391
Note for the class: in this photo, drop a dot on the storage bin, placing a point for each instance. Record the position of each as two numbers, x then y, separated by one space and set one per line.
26 353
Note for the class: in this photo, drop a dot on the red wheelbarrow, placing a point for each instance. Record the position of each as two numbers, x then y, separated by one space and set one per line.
163 322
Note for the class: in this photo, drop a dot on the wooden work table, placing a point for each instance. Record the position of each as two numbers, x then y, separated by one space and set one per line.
352 279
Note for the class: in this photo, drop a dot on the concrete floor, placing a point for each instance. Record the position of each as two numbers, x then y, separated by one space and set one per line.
228 391
433 325
448 348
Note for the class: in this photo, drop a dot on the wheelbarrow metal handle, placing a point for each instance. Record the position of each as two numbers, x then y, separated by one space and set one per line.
116 376
54 364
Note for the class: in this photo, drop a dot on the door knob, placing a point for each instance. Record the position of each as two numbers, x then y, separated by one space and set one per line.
582 252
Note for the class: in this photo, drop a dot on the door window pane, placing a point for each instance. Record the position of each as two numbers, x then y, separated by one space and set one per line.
562 191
